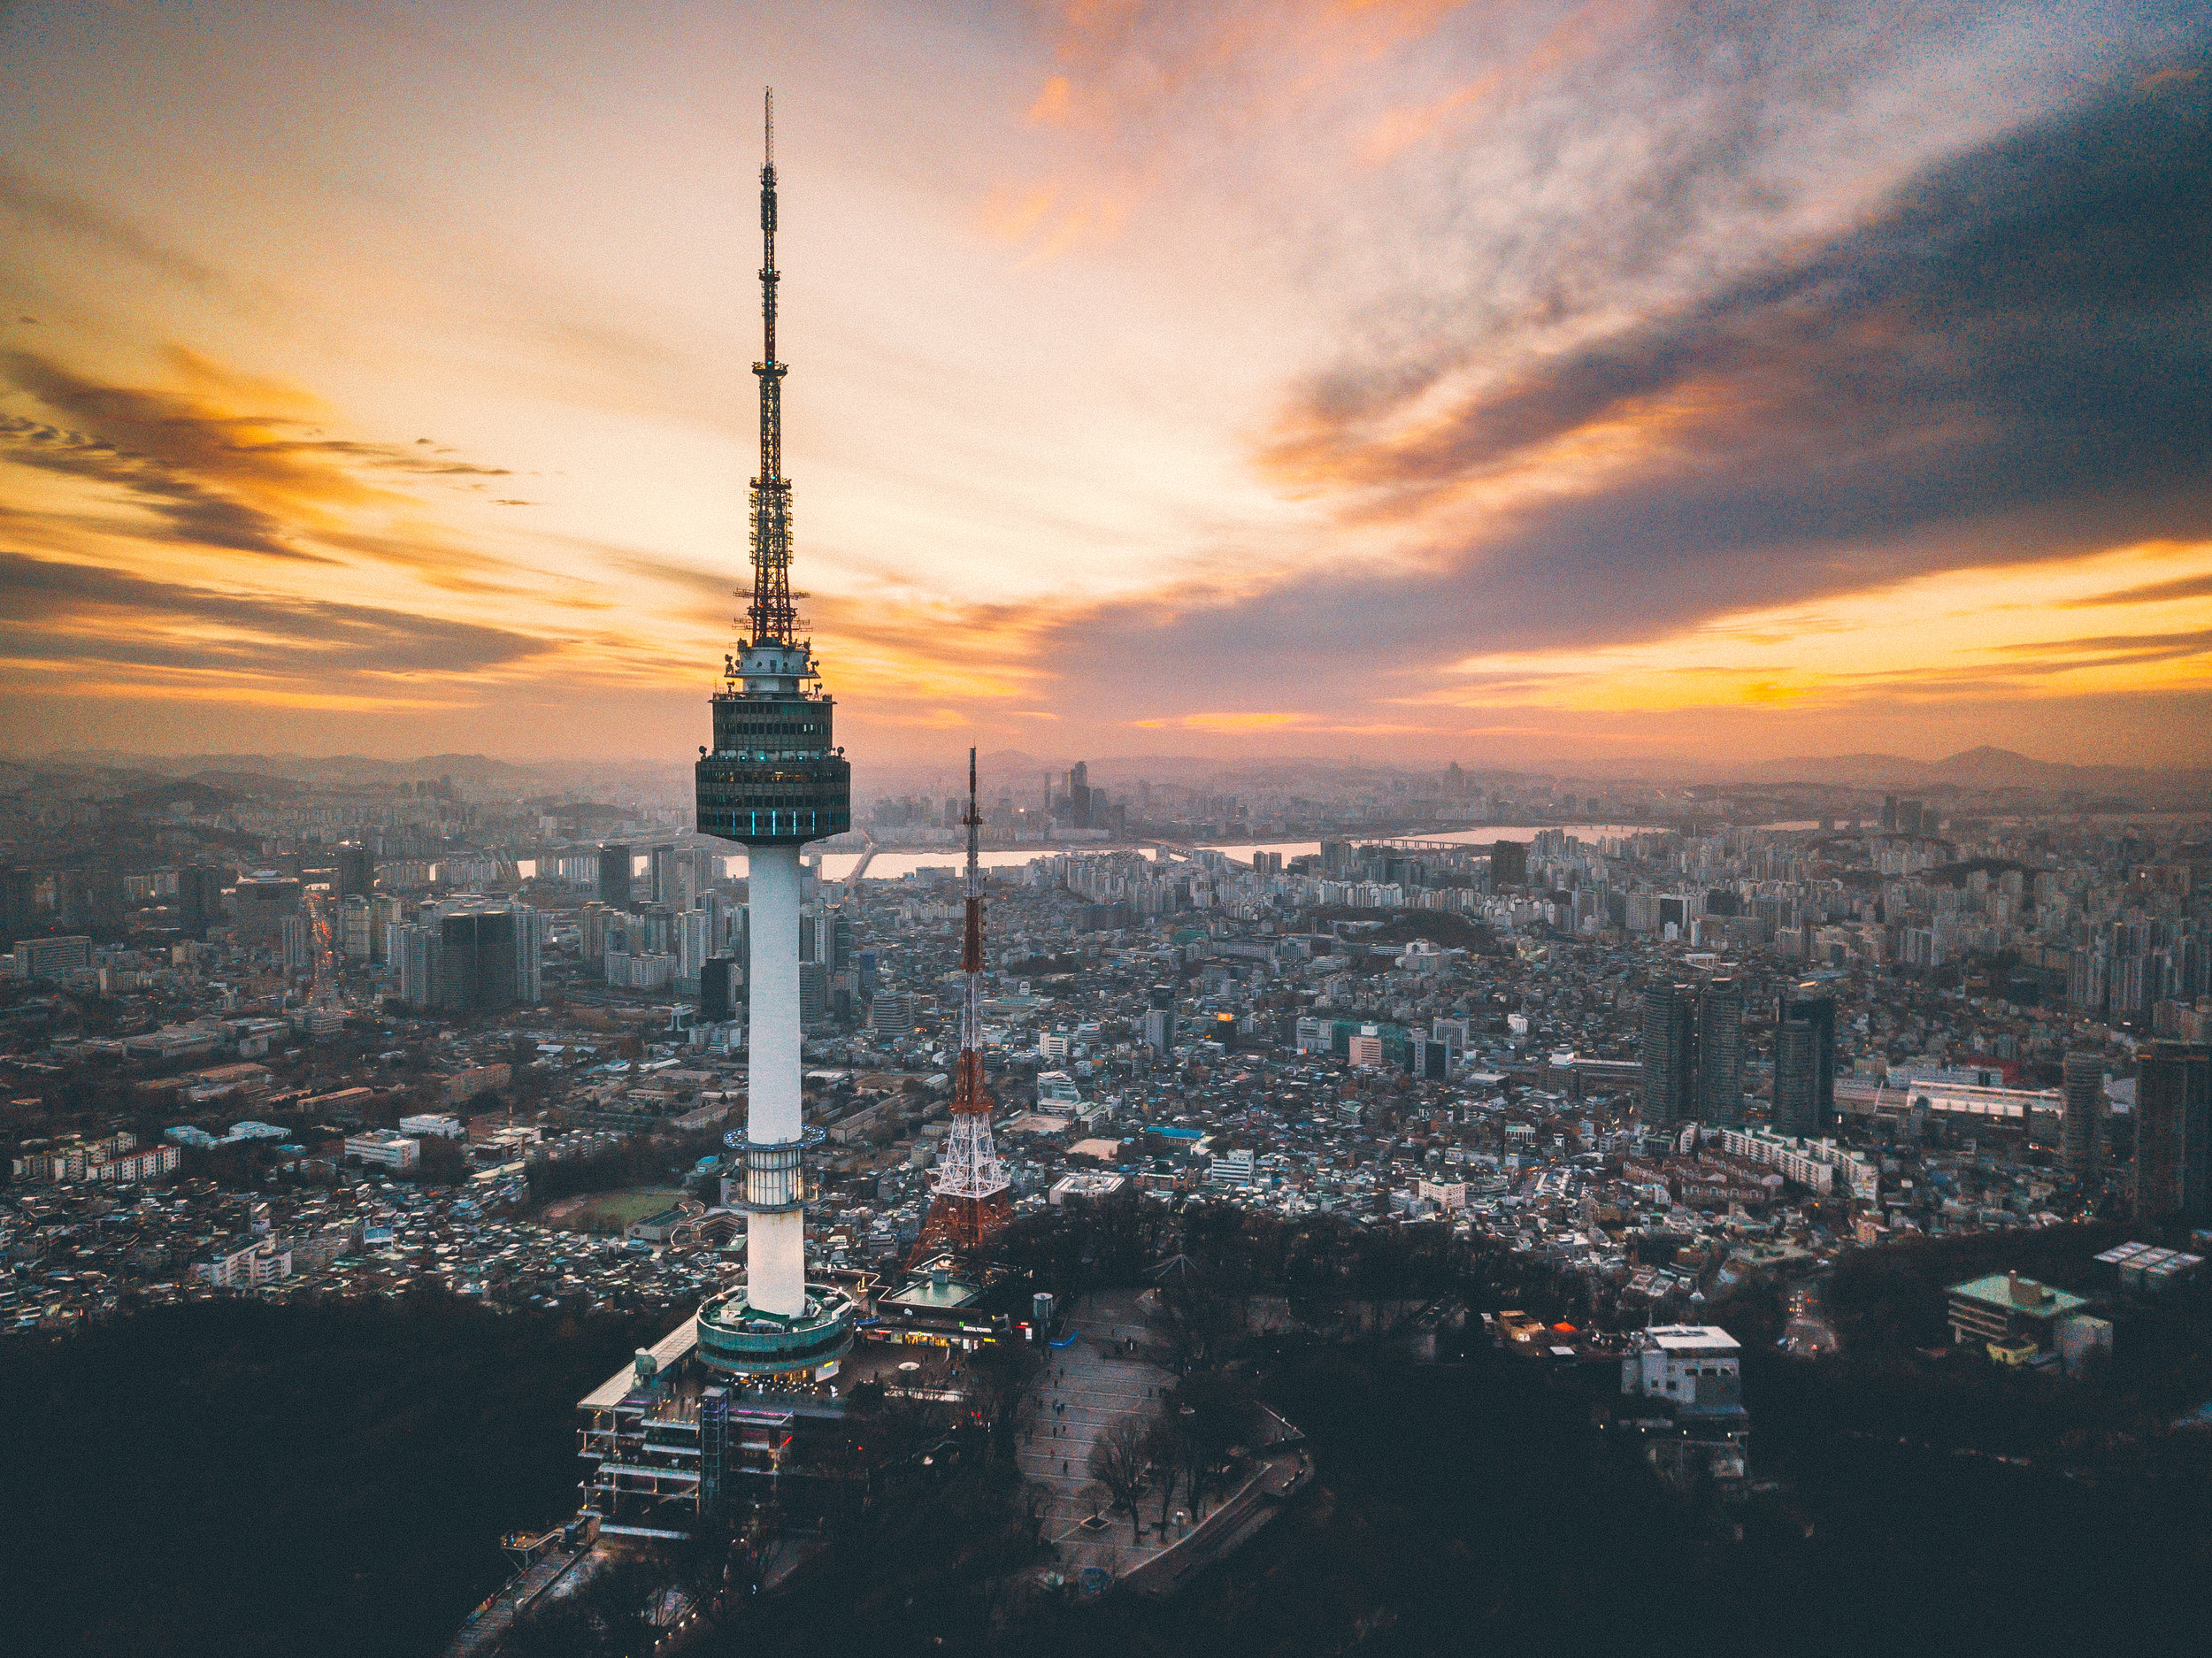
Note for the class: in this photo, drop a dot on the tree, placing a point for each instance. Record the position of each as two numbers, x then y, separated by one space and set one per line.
442 1161
1117 1462
1202 1318
1209 1412
1163 1448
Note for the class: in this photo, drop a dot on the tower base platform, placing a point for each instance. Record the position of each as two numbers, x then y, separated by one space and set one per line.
739 1340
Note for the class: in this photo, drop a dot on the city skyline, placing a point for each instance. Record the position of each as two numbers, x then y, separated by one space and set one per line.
1396 379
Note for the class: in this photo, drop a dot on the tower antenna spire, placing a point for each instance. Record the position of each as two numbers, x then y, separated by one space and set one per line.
969 1201
770 616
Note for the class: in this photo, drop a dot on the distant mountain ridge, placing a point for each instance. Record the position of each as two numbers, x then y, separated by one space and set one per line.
342 768
1984 768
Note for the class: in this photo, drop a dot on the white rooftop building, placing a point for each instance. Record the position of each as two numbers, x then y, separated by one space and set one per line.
1682 1363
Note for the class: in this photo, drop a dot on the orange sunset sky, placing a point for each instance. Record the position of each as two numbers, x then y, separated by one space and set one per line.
1511 383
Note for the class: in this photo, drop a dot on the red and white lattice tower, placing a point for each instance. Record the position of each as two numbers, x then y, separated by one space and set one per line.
969 1186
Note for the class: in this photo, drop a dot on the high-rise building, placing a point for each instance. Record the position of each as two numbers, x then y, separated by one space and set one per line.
259 904
599 925
695 943
19 905
417 953
1797 1079
532 930
2173 1130
1807 1001
386 911
660 874
357 870
1431 1060
354 932
717 990
54 957
1455 1033
773 780
93 897
1509 864
296 944
1670 1053
614 875
2084 1101
1720 1052
477 971
199 898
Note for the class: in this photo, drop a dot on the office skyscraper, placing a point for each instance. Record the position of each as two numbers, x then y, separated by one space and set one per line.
718 989
532 930
1797 1044
1509 864
614 875
357 870
417 951
1720 1052
2173 1130
477 972
2085 1098
259 905
18 904
1670 1053
199 899
354 940
660 876
1807 1001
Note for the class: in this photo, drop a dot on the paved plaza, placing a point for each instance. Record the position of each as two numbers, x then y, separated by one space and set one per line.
1085 1387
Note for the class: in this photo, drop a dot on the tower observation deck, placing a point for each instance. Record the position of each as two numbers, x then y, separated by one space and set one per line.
773 781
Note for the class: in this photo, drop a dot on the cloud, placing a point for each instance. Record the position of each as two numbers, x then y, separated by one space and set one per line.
2150 593
51 210
237 463
2007 364
86 617
2104 650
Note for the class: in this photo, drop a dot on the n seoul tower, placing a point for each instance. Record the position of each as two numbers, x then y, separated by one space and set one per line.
773 782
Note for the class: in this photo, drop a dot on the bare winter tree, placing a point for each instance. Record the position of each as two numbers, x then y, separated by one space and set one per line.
1117 1462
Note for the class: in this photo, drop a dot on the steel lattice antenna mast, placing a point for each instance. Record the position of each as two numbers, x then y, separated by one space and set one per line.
970 1093
770 614
970 1188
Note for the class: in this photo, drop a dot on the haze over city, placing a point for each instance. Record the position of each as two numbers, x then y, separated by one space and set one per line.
1408 379
1142 831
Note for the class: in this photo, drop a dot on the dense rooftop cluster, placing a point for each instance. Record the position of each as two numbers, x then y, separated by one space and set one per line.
1452 1025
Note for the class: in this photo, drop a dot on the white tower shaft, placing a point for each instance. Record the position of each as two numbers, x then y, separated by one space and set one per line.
775 1240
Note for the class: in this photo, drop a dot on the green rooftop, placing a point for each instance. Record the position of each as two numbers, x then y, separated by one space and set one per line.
925 1292
2034 1299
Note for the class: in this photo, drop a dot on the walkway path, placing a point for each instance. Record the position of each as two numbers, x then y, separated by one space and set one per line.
1084 1388
492 1620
